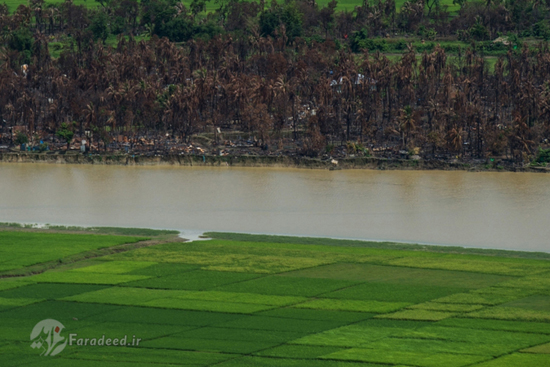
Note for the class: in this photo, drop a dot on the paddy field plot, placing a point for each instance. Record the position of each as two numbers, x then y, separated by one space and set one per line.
259 301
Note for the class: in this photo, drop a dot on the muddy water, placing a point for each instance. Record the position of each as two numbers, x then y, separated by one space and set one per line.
488 210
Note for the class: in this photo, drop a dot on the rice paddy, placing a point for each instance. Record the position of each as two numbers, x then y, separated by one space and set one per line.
265 301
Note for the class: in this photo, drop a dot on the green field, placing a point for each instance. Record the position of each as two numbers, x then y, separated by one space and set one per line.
243 300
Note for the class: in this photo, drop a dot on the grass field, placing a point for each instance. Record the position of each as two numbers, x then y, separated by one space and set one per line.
243 300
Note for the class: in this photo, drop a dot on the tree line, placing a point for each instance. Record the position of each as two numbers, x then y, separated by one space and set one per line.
267 81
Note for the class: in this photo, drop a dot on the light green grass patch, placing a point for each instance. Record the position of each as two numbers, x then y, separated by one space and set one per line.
429 346
510 313
228 257
140 296
30 248
518 360
539 281
539 349
115 267
522 326
360 334
419 315
409 358
515 340
353 305
85 278
447 307
486 296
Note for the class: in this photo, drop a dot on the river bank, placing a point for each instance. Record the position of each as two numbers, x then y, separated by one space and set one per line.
271 161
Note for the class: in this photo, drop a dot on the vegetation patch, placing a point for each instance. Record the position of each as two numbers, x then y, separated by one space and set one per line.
315 305
353 305
294 286
414 358
194 280
420 315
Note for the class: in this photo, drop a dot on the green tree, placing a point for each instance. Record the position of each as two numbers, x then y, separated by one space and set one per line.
65 133
21 138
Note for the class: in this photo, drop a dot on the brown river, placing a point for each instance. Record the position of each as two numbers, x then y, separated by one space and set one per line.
485 210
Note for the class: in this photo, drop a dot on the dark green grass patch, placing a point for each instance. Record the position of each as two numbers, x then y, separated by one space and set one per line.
248 335
199 305
120 329
537 303
288 286
298 351
410 358
327 315
49 291
446 307
164 269
352 305
149 356
420 315
85 278
401 275
61 311
208 345
284 362
393 292
278 324
146 315
194 280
